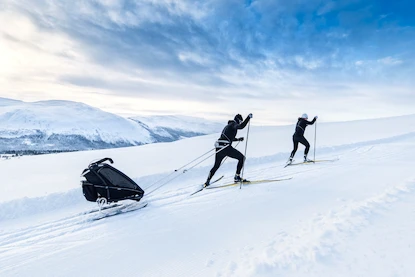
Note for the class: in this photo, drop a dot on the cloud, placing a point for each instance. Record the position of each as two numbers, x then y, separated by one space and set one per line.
211 51
389 61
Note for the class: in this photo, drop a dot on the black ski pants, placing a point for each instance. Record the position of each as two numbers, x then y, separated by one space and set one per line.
303 141
227 152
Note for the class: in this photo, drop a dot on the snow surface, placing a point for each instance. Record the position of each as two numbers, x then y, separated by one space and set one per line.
65 125
18 118
180 122
351 217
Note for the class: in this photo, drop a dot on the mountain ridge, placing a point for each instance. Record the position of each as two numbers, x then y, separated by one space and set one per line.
60 125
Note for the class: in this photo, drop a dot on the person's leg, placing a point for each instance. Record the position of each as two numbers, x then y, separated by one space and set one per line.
218 160
295 143
235 154
304 142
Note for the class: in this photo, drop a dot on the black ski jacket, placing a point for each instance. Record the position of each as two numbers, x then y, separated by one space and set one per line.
301 125
229 132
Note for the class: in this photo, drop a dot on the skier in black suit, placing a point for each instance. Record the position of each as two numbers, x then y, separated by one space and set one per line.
298 136
224 147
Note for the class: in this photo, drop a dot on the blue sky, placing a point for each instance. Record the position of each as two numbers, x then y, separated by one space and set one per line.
342 60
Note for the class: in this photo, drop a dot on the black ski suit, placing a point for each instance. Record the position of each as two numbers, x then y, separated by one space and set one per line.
224 146
298 136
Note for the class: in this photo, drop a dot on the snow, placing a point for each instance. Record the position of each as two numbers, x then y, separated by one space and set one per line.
351 217
180 122
18 118
57 125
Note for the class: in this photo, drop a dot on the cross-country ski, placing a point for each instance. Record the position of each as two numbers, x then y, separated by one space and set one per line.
251 182
204 185
311 162
122 209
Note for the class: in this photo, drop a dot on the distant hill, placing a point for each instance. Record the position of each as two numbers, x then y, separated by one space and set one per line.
55 126
169 128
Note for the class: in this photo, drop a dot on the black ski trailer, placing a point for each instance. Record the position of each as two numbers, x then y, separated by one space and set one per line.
103 184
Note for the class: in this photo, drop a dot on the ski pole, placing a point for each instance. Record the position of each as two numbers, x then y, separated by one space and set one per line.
315 140
205 158
195 159
167 176
184 171
246 146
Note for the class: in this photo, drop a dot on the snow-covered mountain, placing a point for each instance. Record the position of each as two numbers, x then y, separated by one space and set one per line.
169 128
66 126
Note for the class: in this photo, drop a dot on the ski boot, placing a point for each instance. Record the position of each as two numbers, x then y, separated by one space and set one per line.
290 161
206 184
238 179
307 160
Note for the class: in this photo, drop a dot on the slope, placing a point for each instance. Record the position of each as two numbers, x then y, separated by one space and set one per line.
48 126
329 220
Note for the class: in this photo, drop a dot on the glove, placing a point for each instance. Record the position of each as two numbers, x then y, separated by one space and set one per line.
241 139
250 115
316 117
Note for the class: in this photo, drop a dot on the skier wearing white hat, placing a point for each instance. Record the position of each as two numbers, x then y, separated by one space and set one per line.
298 136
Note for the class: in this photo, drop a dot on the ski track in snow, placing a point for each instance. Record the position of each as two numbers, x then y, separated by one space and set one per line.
46 231
46 239
314 241
259 167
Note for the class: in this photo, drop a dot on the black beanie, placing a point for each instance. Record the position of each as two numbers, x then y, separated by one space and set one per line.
238 118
